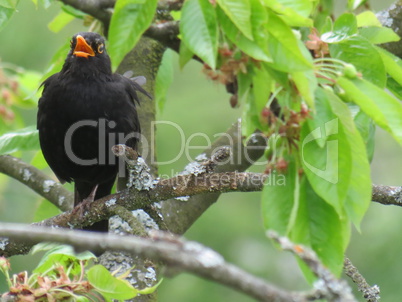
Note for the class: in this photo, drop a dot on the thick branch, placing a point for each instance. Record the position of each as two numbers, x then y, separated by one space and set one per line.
182 255
387 195
132 199
37 181
96 8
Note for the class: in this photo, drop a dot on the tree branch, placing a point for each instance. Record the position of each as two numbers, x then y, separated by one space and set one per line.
387 195
96 8
333 289
37 181
370 293
174 252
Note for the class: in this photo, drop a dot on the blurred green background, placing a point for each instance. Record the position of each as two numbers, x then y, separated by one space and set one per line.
232 226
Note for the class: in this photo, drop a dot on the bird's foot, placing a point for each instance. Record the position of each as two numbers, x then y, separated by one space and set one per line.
84 205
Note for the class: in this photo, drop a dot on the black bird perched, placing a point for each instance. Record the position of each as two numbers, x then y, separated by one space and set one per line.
84 110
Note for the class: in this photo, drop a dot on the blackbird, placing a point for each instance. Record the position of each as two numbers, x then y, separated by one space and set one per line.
84 110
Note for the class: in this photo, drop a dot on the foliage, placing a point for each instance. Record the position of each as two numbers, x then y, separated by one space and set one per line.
313 85
64 275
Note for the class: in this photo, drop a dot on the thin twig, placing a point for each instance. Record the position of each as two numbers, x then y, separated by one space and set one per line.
370 293
333 288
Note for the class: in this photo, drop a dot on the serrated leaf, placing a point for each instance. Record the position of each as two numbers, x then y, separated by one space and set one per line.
129 21
57 61
393 64
150 290
199 30
284 47
364 56
109 286
164 78
344 27
246 45
353 4
26 139
295 13
326 154
60 254
280 198
60 21
319 226
306 84
262 85
384 109
367 18
239 12
358 196
379 35
185 55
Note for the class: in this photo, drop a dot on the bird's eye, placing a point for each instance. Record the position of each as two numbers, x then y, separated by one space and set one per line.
100 48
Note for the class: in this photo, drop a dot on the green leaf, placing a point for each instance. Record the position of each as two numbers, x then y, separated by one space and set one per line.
60 21
46 3
57 61
284 47
367 18
364 56
26 139
366 127
353 4
295 13
384 109
199 30
262 85
280 198
129 21
239 12
164 78
393 64
150 290
334 158
9 3
344 27
29 82
319 226
379 35
73 11
326 154
306 84
358 196
243 83
246 45
5 15
394 87
185 55
109 286
327 26
60 254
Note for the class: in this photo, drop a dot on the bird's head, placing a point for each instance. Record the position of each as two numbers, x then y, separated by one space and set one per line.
87 50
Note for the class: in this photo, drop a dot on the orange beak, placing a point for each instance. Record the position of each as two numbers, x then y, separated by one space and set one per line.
82 49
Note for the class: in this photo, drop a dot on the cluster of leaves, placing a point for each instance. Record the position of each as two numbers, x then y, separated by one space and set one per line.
315 86
312 84
63 275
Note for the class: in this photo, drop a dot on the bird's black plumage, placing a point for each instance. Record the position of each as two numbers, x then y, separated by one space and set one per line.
84 110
